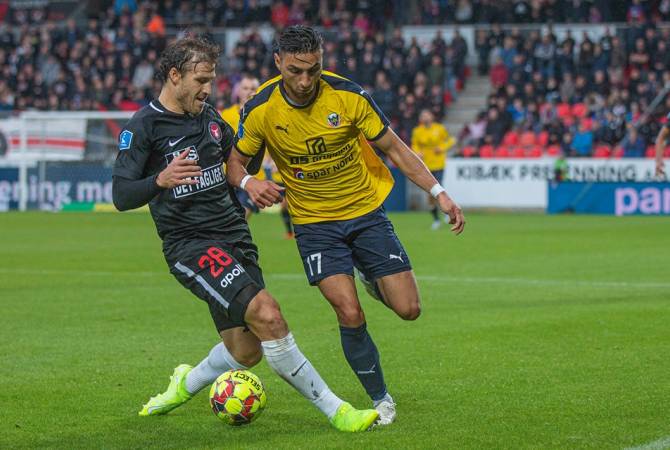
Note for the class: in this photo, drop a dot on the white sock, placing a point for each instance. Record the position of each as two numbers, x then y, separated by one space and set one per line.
285 358
218 361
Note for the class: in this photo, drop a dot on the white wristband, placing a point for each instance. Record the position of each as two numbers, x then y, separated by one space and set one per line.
244 181
436 190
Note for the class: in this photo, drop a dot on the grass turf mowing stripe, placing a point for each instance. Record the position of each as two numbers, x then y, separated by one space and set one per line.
660 444
423 278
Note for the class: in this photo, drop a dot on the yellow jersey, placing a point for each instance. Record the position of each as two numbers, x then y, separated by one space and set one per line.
432 143
231 116
321 149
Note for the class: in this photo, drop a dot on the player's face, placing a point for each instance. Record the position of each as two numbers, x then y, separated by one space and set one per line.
247 88
195 86
426 118
300 73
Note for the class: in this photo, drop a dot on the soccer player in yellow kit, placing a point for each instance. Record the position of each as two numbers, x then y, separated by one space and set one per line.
243 90
431 141
316 126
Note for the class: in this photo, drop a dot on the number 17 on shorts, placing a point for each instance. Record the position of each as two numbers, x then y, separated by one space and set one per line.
313 262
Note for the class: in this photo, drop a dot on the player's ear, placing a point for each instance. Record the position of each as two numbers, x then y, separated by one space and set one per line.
277 60
174 75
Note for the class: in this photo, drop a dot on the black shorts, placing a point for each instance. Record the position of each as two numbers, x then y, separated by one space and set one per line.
368 243
225 276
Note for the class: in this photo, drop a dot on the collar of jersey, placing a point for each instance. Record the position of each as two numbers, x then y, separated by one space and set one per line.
167 111
293 105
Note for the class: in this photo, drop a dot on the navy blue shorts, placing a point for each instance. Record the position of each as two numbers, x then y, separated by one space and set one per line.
438 175
368 243
245 200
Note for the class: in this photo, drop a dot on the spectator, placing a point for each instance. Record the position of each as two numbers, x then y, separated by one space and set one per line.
499 74
473 132
582 141
633 145
495 127
482 44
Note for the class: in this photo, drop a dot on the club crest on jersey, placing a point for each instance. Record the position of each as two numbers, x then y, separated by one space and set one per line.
240 130
334 119
215 131
192 154
125 138
298 173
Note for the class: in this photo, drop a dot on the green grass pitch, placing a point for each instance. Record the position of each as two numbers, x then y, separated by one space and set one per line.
537 332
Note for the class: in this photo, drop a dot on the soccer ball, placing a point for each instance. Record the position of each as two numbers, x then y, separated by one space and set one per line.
237 397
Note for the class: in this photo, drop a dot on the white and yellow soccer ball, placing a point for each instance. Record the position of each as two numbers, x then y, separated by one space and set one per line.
237 397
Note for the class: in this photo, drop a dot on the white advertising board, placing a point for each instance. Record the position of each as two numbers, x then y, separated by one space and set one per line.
54 139
522 183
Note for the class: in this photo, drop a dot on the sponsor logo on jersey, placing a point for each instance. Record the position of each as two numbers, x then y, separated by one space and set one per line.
316 146
211 177
215 131
192 154
298 173
229 277
125 138
334 119
284 129
173 142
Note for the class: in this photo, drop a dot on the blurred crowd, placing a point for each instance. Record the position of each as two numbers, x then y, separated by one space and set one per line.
110 62
581 99
50 62
362 14
402 78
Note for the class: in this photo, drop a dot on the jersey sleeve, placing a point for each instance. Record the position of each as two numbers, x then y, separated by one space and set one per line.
249 138
227 140
134 151
368 117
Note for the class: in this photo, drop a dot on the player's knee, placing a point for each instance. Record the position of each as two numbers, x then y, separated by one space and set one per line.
350 315
248 356
409 311
264 313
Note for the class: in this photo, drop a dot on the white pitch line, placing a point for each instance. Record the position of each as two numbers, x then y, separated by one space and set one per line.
424 278
660 444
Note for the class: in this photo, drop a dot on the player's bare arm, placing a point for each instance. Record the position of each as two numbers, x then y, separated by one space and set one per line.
660 146
180 171
412 166
263 193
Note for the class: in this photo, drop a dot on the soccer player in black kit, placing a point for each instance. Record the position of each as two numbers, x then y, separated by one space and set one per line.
170 156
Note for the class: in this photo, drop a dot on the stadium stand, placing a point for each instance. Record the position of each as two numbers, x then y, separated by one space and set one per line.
546 91
583 96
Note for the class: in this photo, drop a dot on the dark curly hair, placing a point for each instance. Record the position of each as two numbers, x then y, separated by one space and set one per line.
298 39
186 53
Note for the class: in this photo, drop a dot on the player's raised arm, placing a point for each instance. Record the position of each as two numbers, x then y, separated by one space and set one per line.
412 166
263 193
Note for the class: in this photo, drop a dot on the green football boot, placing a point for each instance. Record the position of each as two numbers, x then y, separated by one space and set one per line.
348 418
175 395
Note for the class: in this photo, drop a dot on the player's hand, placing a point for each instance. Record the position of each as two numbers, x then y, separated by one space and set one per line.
263 193
660 168
179 172
449 207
